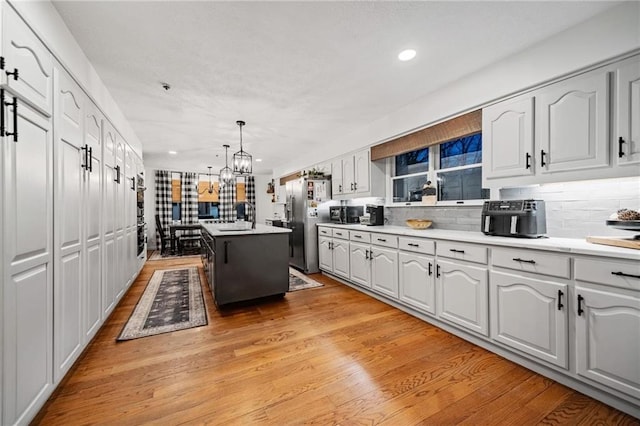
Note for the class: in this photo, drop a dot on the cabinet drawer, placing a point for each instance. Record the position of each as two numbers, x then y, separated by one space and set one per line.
363 237
611 272
384 240
417 245
341 233
532 261
323 231
462 251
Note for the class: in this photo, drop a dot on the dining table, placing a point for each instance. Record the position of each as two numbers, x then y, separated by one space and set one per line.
181 227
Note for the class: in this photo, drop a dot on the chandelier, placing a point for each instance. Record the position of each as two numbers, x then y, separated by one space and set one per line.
226 174
211 188
242 159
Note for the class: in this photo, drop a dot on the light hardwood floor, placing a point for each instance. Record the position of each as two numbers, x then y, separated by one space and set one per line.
329 355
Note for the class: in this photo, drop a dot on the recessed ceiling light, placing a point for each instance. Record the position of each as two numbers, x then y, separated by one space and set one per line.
172 152
258 160
407 55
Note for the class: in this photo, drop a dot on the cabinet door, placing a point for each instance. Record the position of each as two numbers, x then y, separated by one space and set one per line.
348 175
384 271
340 257
325 257
462 295
573 128
361 172
416 280
530 315
608 339
628 112
507 138
69 253
336 177
360 266
26 265
22 50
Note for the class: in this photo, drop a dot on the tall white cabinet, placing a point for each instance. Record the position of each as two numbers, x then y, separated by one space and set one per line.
62 217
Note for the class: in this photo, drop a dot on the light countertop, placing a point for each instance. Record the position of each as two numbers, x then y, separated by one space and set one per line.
564 245
231 229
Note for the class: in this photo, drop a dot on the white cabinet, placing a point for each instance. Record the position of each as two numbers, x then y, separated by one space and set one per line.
333 253
384 270
507 135
360 271
628 112
340 249
530 315
573 124
462 295
110 258
352 175
417 281
325 258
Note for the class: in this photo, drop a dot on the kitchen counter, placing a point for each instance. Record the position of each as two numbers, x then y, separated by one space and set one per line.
564 245
245 264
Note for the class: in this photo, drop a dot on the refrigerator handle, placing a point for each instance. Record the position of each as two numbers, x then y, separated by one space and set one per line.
292 203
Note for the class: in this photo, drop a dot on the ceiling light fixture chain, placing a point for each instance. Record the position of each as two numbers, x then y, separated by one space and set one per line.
242 164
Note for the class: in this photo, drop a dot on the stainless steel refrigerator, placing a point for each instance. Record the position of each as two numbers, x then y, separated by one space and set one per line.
306 206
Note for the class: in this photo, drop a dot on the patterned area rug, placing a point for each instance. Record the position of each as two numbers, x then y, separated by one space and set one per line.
172 301
155 255
299 281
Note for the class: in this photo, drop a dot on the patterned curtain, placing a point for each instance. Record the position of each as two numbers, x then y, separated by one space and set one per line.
163 201
189 199
250 189
227 199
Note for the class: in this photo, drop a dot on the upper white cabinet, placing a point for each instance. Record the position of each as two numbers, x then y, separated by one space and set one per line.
28 61
627 138
562 132
573 124
355 176
507 134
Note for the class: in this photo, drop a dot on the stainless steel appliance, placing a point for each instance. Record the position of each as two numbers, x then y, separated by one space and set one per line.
514 218
376 215
354 213
304 210
338 214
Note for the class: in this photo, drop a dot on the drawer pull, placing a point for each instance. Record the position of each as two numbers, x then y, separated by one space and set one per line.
560 305
580 310
338 233
413 245
382 239
517 259
622 274
456 251
358 236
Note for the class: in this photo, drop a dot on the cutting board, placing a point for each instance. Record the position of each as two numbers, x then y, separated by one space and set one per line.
618 242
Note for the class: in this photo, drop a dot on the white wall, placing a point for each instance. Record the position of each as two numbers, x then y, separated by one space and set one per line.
45 21
612 33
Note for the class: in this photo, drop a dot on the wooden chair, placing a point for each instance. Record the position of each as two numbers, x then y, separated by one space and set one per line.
165 241
190 242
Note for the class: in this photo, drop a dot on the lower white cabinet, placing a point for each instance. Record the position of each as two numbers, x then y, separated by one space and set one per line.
384 271
530 315
462 295
333 256
325 258
608 338
417 281
360 272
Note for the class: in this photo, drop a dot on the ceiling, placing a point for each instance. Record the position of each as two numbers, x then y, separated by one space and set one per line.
299 73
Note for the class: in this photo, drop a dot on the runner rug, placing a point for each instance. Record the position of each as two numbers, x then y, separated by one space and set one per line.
299 281
172 301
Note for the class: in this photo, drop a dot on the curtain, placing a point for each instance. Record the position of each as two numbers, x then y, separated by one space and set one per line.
250 189
189 197
227 199
163 201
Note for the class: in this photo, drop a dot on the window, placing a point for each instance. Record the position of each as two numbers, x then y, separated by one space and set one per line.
456 170
176 211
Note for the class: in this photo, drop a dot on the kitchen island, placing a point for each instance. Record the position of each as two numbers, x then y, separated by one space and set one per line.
245 264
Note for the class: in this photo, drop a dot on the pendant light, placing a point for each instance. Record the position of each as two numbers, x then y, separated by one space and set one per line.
241 159
210 189
226 174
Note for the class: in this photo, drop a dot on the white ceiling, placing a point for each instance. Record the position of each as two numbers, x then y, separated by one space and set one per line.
298 73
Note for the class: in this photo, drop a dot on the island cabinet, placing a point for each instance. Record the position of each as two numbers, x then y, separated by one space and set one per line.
462 285
607 313
416 273
529 313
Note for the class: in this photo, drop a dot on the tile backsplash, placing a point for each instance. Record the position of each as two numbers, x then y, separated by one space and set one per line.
574 209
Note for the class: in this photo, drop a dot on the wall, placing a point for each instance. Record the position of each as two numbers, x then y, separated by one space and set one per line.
445 217
604 36
45 21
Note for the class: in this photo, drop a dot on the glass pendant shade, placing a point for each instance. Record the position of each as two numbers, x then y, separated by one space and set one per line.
226 174
242 161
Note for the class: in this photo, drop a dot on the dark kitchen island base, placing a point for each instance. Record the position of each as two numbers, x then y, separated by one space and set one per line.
247 265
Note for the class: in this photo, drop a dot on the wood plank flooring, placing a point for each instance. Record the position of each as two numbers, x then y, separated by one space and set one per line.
328 355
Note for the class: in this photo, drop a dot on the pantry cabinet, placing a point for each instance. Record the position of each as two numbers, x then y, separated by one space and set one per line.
627 138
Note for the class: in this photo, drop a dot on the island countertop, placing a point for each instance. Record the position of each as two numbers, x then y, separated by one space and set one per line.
235 229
